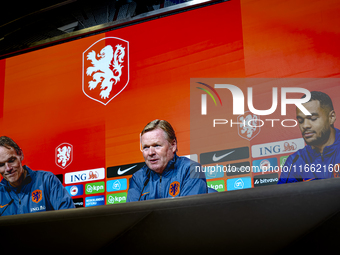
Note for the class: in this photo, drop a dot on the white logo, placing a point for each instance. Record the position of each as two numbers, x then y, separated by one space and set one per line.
74 190
42 207
105 69
239 184
84 176
119 172
64 155
101 72
116 185
248 128
111 200
238 100
89 189
222 156
276 148
265 165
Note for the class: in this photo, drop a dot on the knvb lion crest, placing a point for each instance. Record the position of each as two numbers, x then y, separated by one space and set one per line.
106 69
36 196
249 126
174 188
64 155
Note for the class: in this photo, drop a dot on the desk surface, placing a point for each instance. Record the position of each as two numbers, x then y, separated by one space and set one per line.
263 220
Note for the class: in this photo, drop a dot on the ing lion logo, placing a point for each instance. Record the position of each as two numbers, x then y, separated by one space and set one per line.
93 175
289 147
36 196
105 69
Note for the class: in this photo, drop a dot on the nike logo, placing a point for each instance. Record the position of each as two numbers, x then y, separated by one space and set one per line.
119 172
307 180
222 156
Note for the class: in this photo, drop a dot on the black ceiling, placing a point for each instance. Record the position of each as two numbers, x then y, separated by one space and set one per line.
24 24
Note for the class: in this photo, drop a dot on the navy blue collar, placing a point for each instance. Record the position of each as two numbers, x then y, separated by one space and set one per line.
328 150
167 169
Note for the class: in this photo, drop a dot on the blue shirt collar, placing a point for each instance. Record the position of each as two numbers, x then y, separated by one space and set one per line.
167 169
328 149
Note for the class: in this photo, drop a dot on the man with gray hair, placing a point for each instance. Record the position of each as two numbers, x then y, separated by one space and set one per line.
25 191
164 174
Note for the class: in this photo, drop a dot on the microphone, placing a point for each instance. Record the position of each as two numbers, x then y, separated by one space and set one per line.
294 160
145 183
10 202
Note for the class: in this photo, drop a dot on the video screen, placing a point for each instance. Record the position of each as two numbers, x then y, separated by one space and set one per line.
77 108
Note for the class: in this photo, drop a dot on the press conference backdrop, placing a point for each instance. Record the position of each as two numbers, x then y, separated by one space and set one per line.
75 115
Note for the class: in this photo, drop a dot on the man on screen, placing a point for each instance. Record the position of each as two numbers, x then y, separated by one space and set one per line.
164 173
320 158
25 191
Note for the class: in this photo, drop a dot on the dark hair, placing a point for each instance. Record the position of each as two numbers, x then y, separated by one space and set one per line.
323 98
9 143
164 125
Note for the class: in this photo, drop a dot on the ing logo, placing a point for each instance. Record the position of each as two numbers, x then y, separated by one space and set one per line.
36 196
93 175
289 147
204 97
174 188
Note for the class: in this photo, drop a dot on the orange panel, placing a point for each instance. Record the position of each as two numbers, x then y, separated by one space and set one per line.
291 38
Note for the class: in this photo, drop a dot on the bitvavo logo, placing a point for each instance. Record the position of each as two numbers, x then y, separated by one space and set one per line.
238 105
